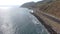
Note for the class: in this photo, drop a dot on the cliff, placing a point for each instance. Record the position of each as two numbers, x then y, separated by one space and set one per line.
29 5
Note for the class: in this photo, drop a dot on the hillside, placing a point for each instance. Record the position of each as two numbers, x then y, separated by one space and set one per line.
53 9
50 7
28 4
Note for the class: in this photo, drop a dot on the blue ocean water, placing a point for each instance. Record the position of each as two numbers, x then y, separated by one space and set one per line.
20 21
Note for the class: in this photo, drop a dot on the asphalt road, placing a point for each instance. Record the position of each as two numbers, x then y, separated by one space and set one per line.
20 21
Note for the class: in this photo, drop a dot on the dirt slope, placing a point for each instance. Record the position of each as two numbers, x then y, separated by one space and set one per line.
52 8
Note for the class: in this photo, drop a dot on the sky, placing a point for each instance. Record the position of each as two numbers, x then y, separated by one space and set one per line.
15 2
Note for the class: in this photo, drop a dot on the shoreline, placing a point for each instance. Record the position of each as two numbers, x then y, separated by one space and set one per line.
48 27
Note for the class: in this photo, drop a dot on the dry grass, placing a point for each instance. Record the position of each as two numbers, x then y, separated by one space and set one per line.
53 9
55 26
